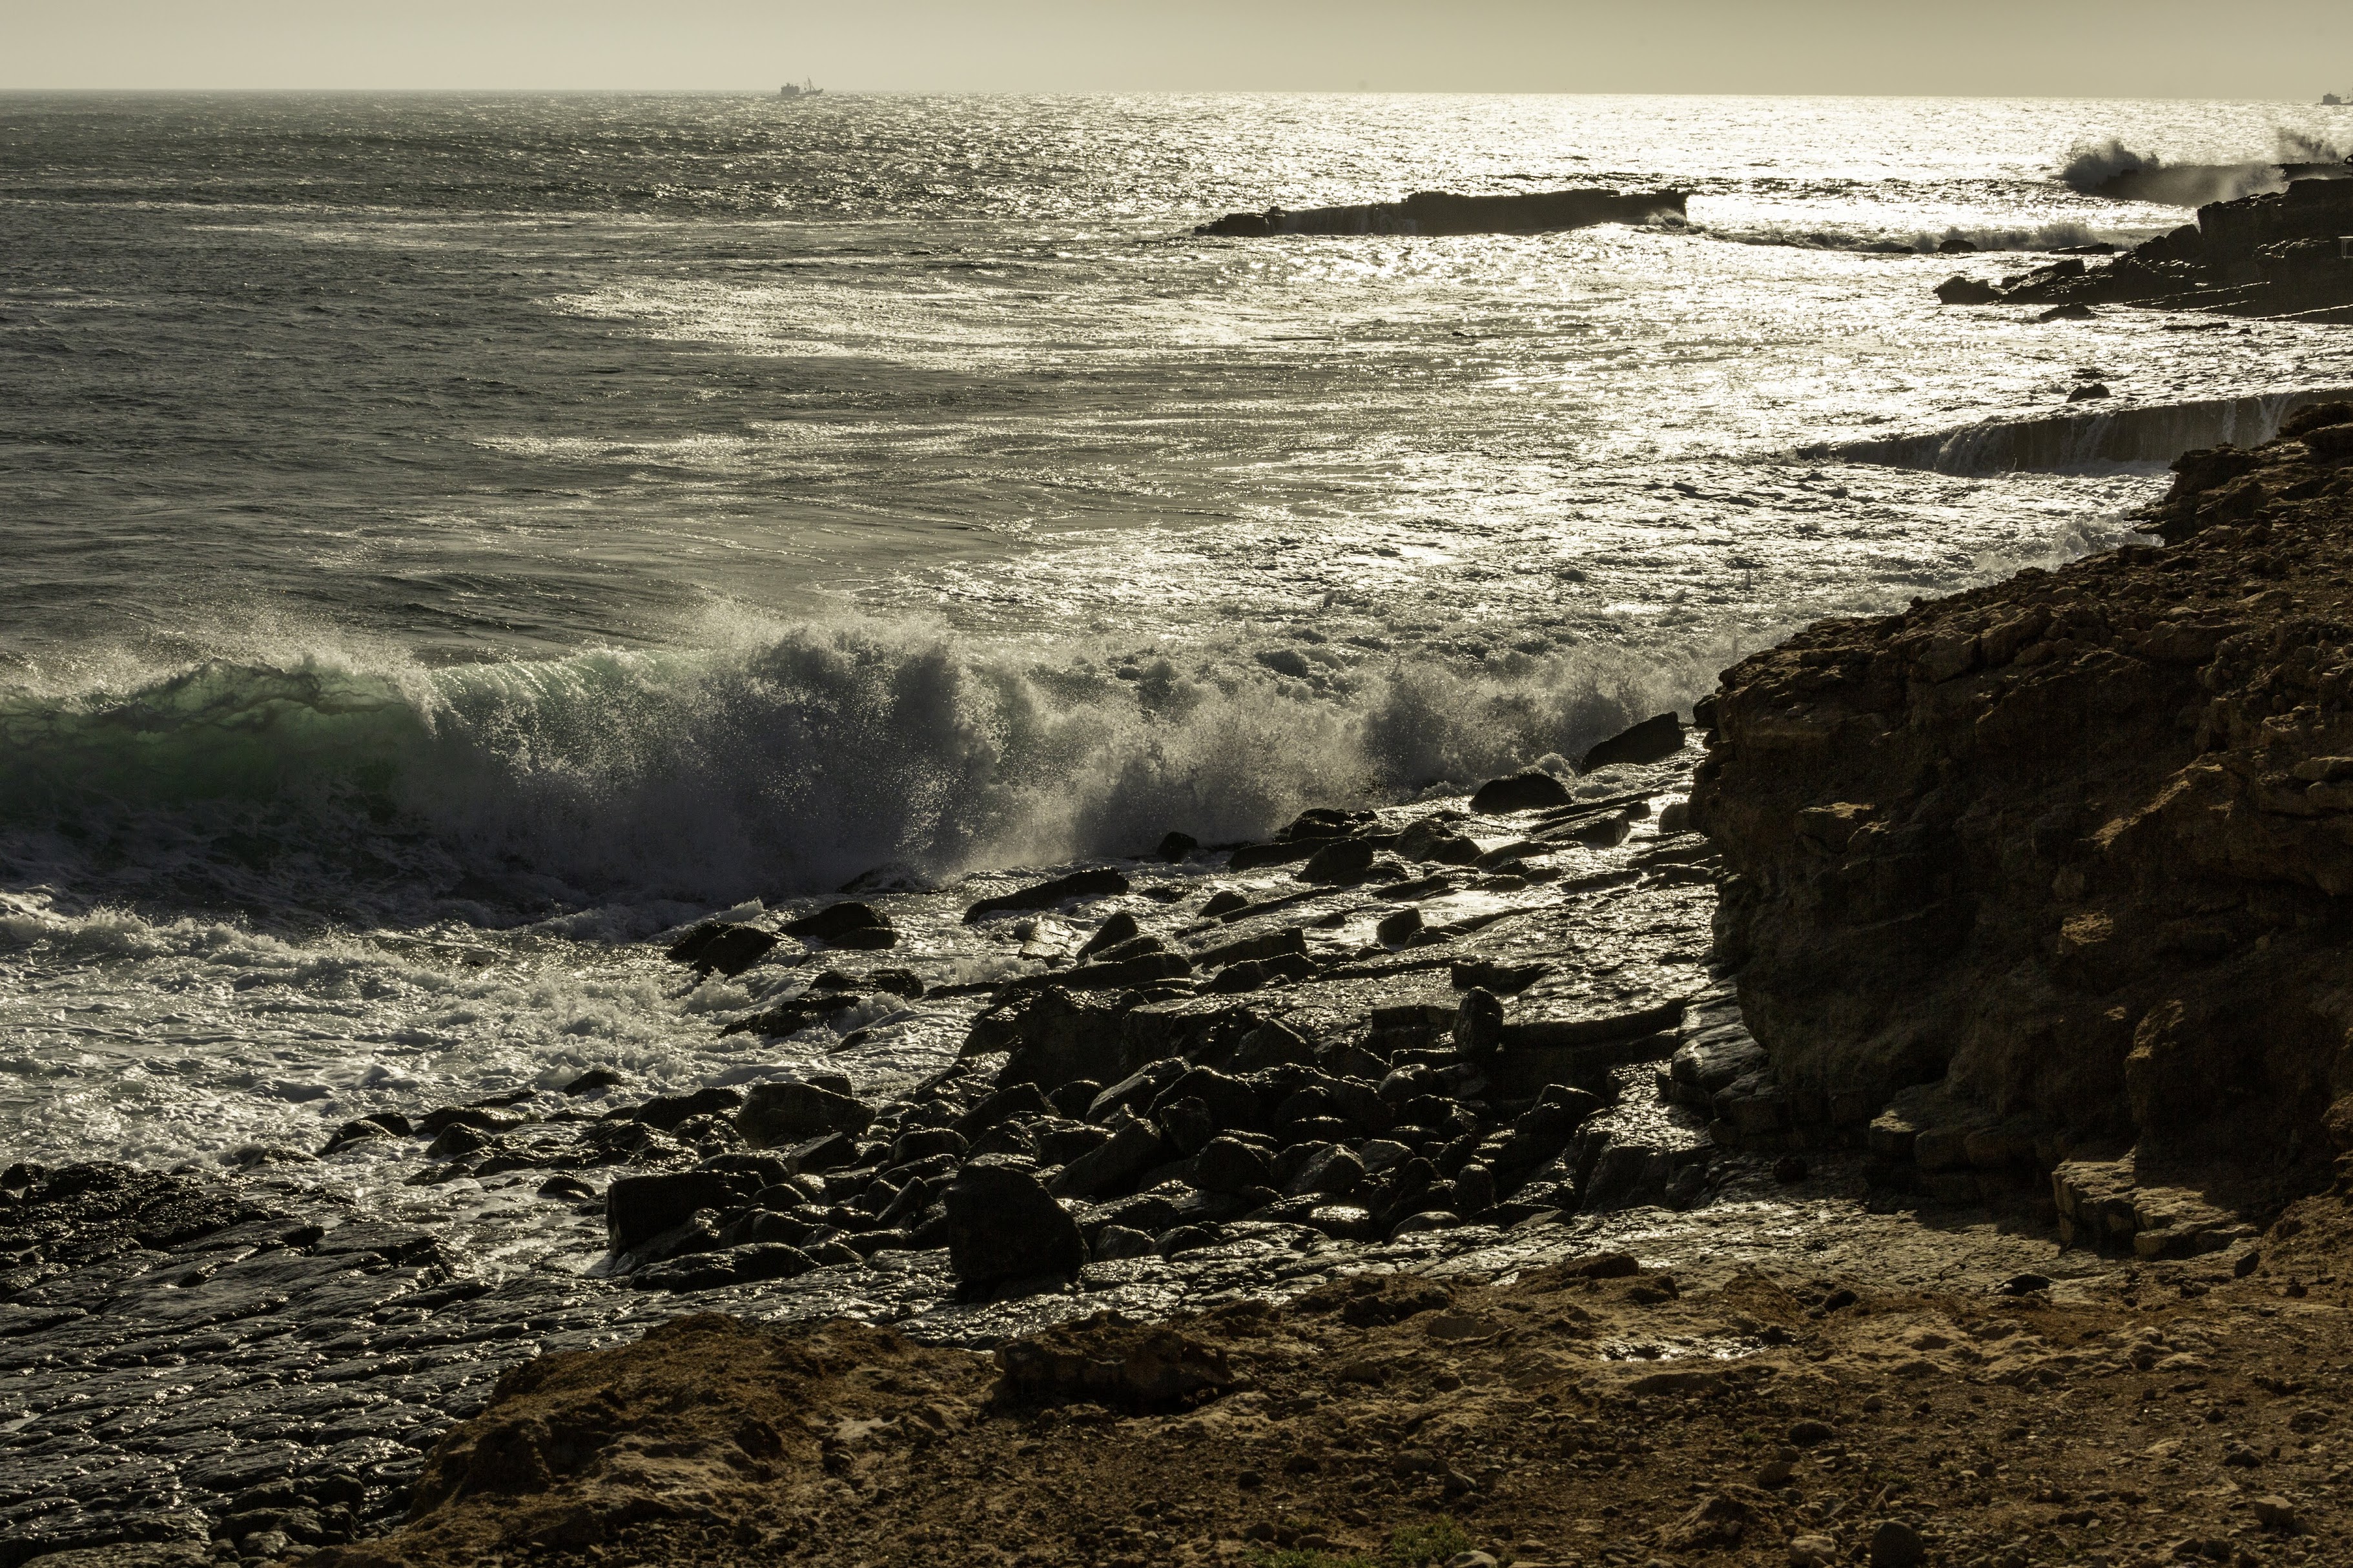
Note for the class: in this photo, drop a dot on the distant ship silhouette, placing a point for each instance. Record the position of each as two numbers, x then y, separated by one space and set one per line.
807 89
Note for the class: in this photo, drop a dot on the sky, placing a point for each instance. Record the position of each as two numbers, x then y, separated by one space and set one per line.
2288 49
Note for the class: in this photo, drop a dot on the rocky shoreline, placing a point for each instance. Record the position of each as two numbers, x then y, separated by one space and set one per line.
1908 1070
2285 254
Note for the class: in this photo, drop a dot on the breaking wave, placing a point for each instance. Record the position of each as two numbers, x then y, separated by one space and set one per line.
2137 434
2111 169
784 761
2063 234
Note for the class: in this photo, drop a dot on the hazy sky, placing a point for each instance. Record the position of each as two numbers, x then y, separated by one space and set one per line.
2292 49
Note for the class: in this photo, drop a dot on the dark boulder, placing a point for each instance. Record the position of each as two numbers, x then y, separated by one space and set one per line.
730 1266
835 921
1095 884
1134 1147
1479 1023
1229 1166
592 1080
789 1114
1532 790
1232 1104
1022 1101
1178 847
1003 1225
667 1112
1961 290
638 1208
1289 943
1119 928
717 947
1345 860
1653 740
1398 929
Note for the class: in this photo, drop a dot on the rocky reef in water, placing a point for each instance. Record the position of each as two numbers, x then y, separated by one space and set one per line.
2057 872
1443 213
2286 253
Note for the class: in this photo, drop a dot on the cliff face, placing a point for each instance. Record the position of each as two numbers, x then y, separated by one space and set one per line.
2285 253
2077 849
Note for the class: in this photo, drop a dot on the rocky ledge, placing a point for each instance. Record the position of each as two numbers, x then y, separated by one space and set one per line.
2287 253
2048 883
1443 212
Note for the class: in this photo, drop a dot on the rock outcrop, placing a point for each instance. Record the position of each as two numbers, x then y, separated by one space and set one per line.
2067 860
2283 253
1443 212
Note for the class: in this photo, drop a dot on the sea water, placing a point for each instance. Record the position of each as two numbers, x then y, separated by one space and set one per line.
450 541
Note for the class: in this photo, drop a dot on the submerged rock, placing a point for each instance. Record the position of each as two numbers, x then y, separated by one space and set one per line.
1443 213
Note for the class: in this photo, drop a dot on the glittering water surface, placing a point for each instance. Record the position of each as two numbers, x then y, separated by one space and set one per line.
451 539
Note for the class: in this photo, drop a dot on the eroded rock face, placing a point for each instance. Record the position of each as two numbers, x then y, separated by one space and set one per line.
2080 845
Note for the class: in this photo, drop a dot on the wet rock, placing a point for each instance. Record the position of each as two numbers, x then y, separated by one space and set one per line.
567 1189
1186 1124
1117 1241
1177 847
592 1080
1347 860
1051 1036
1272 1044
1960 289
1134 1147
1003 1226
1502 979
1345 1222
729 1266
1435 839
1653 740
1079 885
358 1132
638 1208
717 947
1232 1104
1398 929
1290 942
848 924
1019 1101
481 1117
788 1113
1229 1166
1479 1023
456 1139
669 1113
1335 1171
1224 902
1427 1219
1119 928
1530 790
1187 1238
1239 979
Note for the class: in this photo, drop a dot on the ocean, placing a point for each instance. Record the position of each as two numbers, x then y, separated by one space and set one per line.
452 540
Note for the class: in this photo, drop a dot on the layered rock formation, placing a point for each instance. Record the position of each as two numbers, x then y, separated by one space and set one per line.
1443 212
2067 860
2283 253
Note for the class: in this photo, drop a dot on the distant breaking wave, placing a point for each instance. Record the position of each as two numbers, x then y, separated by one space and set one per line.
2086 437
2112 169
2045 238
788 764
